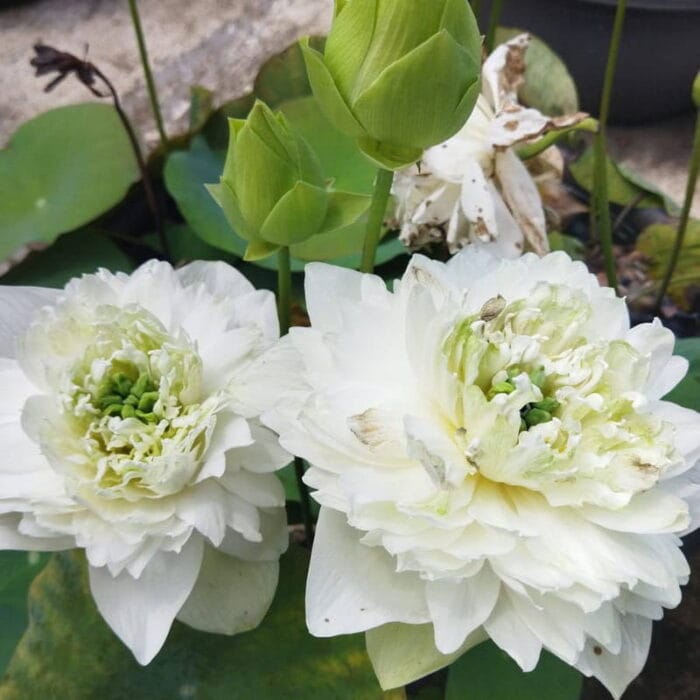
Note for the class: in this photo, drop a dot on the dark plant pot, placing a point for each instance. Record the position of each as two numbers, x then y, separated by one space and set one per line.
659 55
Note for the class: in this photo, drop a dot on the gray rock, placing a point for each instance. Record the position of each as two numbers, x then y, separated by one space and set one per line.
219 44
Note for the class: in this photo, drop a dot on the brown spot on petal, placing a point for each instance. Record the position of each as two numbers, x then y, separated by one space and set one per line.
511 126
597 650
492 308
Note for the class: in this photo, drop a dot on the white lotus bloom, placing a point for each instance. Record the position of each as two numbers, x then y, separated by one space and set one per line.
128 428
473 188
493 459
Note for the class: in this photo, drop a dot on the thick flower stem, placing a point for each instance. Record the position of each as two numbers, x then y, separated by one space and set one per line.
685 215
284 308
600 212
284 289
476 7
304 500
150 83
382 192
496 8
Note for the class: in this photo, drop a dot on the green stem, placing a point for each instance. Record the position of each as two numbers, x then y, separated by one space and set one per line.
150 84
284 289
600 212
284 308
530 150
476 8
496 8
395 694
305 500
685 214
375 221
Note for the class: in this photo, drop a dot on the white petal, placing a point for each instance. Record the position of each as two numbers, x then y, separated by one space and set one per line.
262 490
509 240
352 587
458 608
141 611
665 370
401 654
477 203
11 538
275 538
220 279
439 456
687 437
205 507
18 306
510 633
230 595
16 389
328 286
522 198
264 455
617 671
649 512
556 624
231 431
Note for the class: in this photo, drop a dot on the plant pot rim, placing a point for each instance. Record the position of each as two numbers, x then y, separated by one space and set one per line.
653 5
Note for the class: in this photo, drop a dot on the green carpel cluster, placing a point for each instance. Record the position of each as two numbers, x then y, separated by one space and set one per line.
121 395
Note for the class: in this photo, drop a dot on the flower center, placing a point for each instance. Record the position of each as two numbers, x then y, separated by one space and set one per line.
135 422
539 405
128 393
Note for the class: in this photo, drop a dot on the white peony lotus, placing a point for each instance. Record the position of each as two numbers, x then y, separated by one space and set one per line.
474 188
128 425
493 459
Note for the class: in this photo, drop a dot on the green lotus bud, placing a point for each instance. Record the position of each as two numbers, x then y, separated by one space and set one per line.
696 91
272 189
398 76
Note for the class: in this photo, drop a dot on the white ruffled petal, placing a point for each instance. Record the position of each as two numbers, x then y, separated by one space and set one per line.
141 611
18 307
508 630
352 588
617 671
230 595
459 608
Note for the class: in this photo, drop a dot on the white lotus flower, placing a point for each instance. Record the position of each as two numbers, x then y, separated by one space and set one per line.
474 188
493 459
128 428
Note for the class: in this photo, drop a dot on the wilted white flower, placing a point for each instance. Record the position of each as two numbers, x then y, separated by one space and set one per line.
474 188
493 459
128 428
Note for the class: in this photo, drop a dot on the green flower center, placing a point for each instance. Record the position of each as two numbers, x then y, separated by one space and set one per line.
127 392
534 412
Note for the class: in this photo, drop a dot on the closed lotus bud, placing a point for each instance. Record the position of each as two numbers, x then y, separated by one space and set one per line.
398 75
272 189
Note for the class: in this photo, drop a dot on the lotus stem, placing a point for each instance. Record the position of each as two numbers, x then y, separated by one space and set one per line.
284 310
150 83
375 221
600 212
476 8
685 215
305 500
148 188
284 289
494 21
